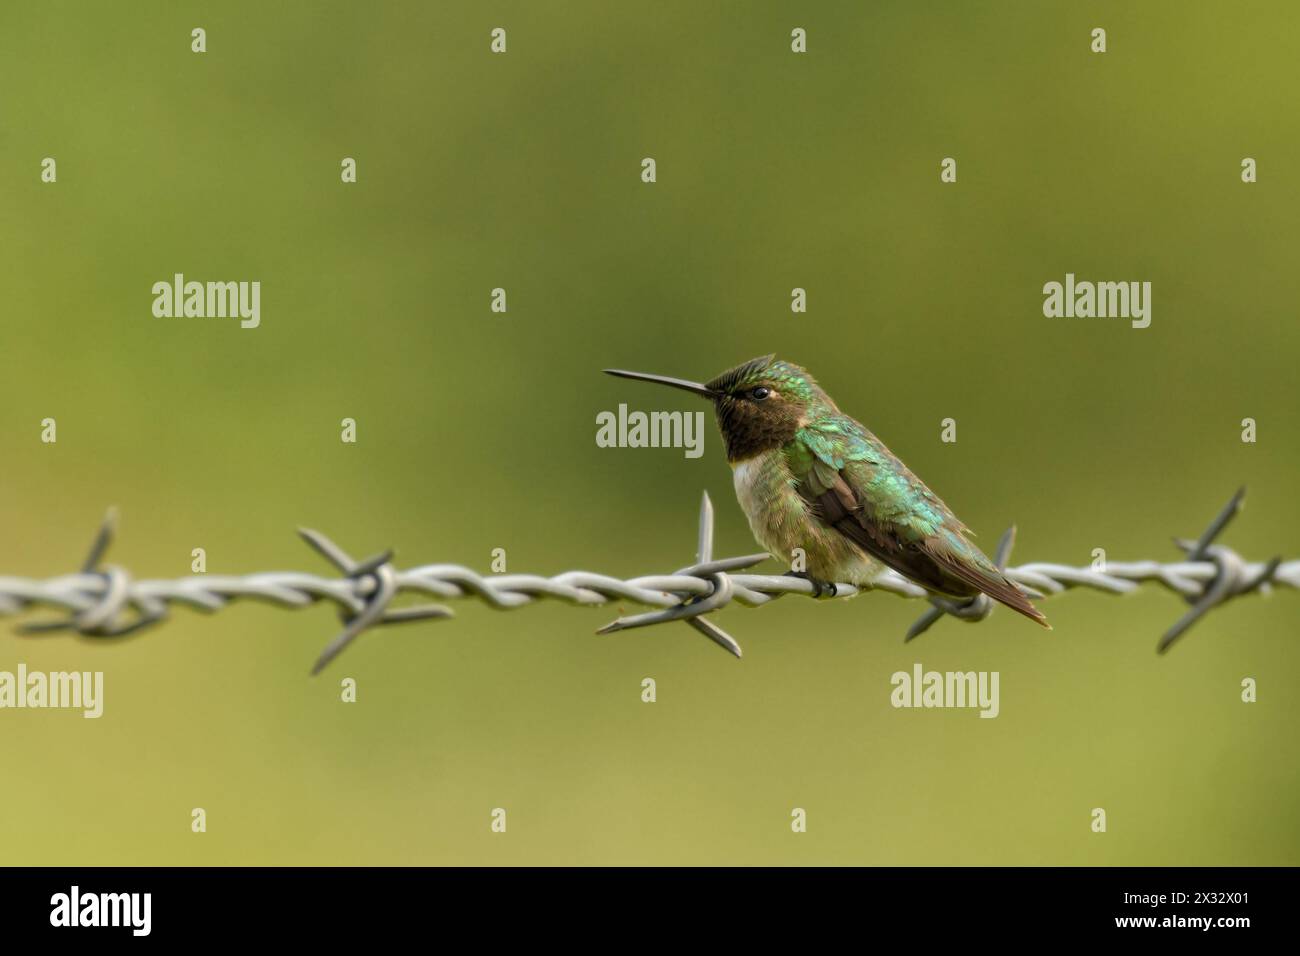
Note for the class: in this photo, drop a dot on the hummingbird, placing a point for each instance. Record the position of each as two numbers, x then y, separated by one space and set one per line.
809 476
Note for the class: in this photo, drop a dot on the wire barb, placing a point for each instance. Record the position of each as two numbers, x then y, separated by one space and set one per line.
105 601
1231 576
103 618
691 609
375 574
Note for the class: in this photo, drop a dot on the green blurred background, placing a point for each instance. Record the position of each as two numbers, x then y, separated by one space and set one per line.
476 430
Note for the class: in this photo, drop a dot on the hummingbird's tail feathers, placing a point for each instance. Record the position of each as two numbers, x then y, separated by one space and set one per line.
991 581
1017 600
945 563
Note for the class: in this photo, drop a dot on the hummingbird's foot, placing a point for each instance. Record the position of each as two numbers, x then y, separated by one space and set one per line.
820 588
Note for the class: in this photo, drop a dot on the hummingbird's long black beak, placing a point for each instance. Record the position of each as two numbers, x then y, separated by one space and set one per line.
681 383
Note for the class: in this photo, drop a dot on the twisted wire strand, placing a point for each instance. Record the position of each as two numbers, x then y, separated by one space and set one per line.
108 602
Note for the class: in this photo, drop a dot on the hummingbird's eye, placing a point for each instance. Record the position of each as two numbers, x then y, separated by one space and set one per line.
760 393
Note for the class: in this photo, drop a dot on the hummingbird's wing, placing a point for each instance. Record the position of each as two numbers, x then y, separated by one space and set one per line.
857 486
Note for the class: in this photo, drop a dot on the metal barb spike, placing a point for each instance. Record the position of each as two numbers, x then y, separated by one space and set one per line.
103 538
375 612
1226 583
1221 521
691 611
327 549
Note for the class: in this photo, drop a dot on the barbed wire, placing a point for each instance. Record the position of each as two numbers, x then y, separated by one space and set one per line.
105 602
